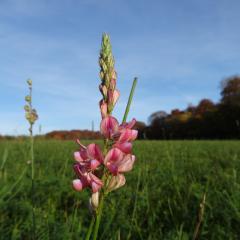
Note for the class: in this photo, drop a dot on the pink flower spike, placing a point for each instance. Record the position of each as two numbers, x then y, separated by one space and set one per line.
77 185
109 126
128 135
126 164
125 147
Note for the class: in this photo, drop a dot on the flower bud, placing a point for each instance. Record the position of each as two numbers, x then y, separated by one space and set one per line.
77 185
94 201
103 90
116 182
26 108
28 98
101 74
103 108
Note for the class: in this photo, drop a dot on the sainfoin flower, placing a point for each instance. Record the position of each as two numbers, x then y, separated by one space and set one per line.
102 170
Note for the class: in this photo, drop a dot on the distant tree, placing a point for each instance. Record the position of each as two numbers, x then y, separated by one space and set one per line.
175 112
191 108
205 105
230 91
157 117
156 129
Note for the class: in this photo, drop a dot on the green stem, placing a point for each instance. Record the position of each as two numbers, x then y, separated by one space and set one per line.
129 100
90 228
98 219
32 188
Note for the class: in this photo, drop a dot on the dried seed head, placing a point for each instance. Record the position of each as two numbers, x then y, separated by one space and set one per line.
30 113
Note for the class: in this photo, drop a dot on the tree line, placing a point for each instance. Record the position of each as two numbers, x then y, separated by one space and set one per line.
207 120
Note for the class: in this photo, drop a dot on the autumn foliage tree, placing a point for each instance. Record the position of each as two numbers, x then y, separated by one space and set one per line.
207 120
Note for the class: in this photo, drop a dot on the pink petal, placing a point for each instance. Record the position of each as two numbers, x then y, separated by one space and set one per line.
95 179
109 126
82 154
77 156
94 164
77 185
113 155
126 164
129 125
127 135
94 152
77 170
112 167
125 147
95 182
95 187
116 95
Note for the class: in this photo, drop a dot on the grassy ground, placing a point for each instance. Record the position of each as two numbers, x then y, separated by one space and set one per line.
160 200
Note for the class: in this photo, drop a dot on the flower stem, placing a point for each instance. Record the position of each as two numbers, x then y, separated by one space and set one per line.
90 228
32 178
129 100
32 171
98 218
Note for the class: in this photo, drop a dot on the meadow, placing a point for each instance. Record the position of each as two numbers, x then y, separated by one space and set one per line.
159 201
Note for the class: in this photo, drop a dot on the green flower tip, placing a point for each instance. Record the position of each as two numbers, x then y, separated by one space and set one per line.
29 82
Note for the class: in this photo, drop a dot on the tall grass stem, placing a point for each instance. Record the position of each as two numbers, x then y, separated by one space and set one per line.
90 228
33 186
129 100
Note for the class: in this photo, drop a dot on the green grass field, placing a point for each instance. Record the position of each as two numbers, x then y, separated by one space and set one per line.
160 200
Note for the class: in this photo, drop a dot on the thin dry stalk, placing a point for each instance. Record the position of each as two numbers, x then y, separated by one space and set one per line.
200 217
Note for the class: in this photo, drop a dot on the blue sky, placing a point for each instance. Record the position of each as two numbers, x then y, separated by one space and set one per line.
180 50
